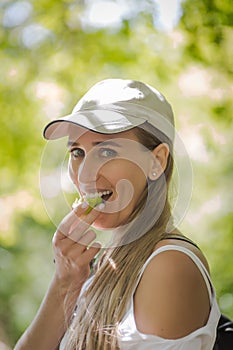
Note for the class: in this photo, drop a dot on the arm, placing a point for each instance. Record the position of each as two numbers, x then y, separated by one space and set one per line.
171 300
49 325
72 269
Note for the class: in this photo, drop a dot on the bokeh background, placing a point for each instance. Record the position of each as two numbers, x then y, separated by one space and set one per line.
51 53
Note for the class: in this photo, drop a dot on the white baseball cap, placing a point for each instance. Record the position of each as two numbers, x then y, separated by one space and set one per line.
115 105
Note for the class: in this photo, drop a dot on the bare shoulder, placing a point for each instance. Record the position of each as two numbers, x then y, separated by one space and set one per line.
171 299
187 245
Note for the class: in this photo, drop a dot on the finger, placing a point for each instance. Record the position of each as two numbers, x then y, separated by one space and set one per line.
81 227
84 223
83 239
71 219
90 253
87 238
76 250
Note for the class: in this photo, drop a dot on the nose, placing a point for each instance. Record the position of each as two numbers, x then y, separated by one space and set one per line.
84 171
87 171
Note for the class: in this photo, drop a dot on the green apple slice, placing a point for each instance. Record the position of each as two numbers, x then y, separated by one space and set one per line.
92 202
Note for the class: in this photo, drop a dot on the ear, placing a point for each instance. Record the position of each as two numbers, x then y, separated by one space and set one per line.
159 162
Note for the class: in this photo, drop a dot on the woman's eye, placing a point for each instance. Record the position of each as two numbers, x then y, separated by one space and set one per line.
107 153
77 152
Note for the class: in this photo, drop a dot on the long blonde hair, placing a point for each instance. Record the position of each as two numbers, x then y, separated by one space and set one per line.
103 304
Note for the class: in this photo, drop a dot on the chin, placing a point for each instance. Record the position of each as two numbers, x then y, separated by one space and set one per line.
105 223
103 226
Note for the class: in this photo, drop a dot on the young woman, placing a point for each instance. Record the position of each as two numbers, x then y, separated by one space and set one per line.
150 286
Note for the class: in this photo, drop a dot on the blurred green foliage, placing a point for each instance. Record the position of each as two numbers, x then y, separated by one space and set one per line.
49 57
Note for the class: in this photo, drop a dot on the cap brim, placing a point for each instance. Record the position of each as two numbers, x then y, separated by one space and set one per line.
101 121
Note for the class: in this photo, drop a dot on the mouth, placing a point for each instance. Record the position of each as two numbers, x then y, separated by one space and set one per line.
103 195
93 199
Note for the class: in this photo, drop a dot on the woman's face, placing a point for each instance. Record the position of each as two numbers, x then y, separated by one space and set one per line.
115 166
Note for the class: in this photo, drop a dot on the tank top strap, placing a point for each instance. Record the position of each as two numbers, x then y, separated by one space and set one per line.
194 258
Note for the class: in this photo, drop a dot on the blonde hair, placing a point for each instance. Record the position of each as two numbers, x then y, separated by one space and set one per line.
103 304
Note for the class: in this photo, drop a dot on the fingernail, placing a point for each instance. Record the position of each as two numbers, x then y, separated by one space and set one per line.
100 206
75 204
97 244
84 205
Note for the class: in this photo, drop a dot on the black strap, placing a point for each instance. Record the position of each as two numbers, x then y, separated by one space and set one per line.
179 237
224 339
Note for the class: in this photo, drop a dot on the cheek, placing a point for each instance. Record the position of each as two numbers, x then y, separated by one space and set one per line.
73 170
139 183
138 180
131 172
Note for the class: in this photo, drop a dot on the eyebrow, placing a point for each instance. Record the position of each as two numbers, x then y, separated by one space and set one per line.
97 143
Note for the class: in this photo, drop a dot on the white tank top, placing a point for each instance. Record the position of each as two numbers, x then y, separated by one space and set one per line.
129 338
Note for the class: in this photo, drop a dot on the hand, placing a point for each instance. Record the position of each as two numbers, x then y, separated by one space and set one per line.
73 250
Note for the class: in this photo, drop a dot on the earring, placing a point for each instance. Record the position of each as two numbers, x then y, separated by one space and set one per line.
154 174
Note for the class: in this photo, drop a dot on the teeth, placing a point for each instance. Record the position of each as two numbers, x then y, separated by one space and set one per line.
96 194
